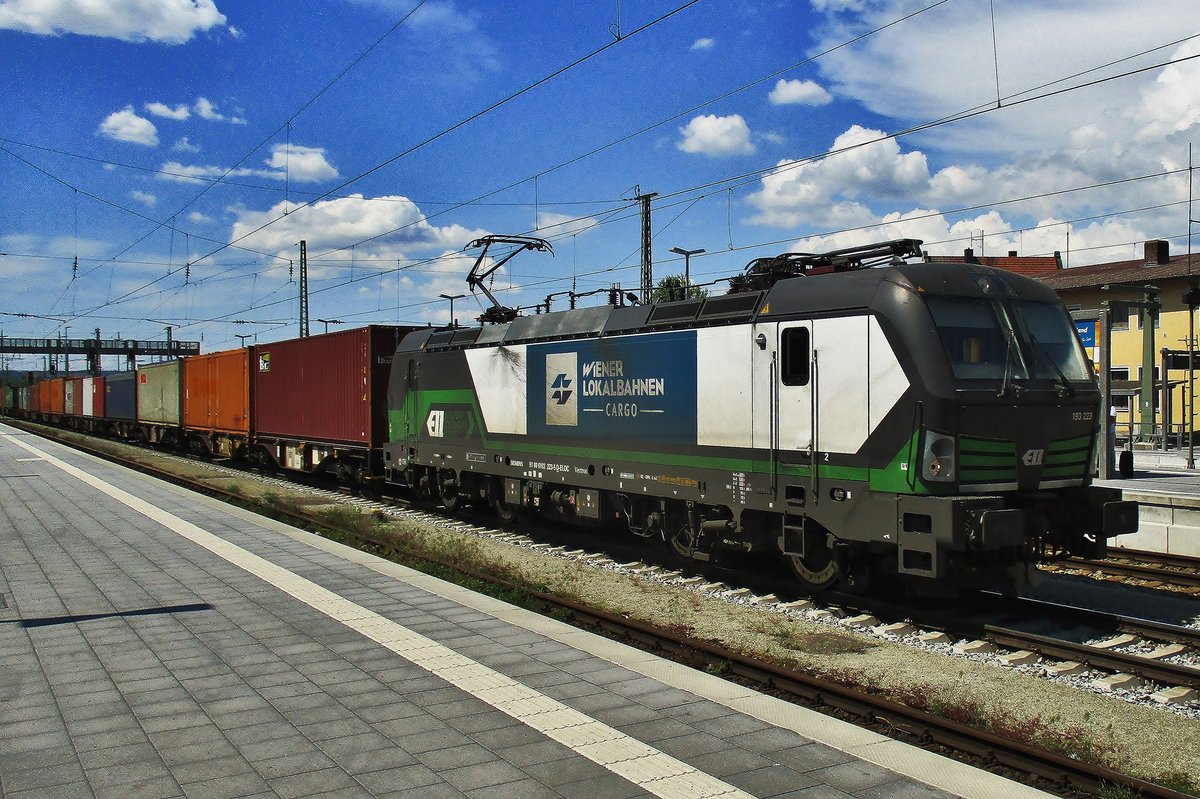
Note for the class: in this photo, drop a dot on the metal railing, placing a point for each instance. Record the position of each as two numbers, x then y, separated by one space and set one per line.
1174 436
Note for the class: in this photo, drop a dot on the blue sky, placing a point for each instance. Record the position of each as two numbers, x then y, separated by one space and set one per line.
180 149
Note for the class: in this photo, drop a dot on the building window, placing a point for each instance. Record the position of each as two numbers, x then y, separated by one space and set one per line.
1118 373
1120 317
1141 369
1121 403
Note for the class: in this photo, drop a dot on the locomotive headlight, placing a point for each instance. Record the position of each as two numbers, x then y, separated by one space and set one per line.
937 461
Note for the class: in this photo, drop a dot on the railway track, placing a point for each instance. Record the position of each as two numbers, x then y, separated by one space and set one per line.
1153 568
1133 651
1066 774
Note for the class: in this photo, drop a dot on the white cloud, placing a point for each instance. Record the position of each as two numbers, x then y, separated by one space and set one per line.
206 110
346 221
303 165
182 145
165 21
799 92
713 135
705 43
125 125
901 72
839 5
1172 104
145 198
452 39
828 191
552 224
1095 242
177 112
197 218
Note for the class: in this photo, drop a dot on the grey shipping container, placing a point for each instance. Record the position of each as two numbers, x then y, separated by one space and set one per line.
120 395
158 393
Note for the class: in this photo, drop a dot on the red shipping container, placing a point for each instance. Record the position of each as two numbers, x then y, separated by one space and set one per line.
217 392
73 403
330 388
53 399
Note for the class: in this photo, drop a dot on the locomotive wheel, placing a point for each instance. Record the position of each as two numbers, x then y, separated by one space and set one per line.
448 492
683 542
505 512
818 568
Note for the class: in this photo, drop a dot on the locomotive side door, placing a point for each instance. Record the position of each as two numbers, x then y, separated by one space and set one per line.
412 423
795 379
784 377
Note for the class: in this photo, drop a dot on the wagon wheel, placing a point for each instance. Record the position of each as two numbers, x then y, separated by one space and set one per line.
818 568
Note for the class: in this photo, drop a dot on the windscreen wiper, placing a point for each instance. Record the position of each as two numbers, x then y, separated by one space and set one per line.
1008 362
1064 388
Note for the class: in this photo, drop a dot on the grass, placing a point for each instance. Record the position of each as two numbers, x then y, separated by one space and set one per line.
1086 744
813 642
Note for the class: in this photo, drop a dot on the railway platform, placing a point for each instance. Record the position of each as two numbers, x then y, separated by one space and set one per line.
1169 495
155 643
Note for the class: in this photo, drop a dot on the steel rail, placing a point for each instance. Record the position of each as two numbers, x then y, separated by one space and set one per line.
1162 573
1124 662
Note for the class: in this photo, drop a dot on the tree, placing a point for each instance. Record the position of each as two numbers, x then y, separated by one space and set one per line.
672 287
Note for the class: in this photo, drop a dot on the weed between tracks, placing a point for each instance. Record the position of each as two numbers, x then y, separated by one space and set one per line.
1088 744
814 642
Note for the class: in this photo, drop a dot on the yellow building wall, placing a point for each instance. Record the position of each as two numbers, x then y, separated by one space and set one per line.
1172 333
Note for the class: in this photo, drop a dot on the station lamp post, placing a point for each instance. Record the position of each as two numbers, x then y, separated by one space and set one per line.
687 266
241 337
328 322
452 298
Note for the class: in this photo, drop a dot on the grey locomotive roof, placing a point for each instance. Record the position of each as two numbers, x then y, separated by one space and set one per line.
823 293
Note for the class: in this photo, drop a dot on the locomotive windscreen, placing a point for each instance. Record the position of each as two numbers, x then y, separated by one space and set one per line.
1008 341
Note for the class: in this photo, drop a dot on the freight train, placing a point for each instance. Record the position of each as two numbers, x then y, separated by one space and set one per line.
314 405
932 423
861 417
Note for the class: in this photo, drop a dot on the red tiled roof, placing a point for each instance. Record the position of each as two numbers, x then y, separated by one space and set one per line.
1121 272
1032 265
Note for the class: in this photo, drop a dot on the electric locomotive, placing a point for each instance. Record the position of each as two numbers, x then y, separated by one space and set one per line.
860 416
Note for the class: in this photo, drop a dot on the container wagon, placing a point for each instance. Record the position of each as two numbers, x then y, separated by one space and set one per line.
319 404
216 402
159 414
